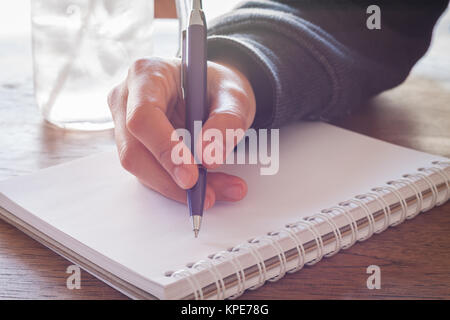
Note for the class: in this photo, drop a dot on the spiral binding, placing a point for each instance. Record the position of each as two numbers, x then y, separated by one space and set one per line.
334 228
445 177
262 274
280 253
416 191
383 205
442 165
309 224
430 184
300 250
370 218
240 274
197 289
401 200
353 224
218 279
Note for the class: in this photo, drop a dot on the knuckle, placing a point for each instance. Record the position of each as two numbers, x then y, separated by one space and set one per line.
126 156
149 65
238 93
164 156
113 97
139 66
161 84
117 97
158 76
245 110
110 97
136 120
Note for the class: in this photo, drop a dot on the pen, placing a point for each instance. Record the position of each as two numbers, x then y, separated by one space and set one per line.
194 81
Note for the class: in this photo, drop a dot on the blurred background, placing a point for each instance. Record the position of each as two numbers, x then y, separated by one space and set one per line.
15 14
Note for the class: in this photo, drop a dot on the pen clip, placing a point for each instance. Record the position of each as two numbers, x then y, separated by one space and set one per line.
183 64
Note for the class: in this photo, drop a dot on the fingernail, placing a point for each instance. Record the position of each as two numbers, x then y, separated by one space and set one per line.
233 192
183 176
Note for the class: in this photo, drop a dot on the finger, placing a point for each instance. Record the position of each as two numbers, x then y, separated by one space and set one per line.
220 133
227 187
181 197
210 197
117 101
148 98
149 172
134 157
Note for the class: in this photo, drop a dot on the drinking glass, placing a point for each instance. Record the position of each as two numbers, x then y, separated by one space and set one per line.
81 49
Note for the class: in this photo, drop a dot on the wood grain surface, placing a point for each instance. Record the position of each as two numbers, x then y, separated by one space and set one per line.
414 257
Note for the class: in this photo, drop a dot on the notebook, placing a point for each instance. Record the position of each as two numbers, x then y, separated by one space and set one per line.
333 188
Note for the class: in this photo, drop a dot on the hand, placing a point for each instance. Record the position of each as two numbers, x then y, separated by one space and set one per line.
148 106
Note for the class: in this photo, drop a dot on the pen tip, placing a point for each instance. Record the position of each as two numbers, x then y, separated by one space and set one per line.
196 221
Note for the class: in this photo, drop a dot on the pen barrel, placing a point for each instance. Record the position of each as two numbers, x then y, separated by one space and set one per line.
196 79
196 195
196 105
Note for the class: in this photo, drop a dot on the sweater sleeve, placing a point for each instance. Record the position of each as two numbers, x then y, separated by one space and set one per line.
311 59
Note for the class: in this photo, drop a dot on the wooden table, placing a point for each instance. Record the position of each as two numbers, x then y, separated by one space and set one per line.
414 257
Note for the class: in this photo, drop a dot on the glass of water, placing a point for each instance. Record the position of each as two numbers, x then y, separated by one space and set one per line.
81 49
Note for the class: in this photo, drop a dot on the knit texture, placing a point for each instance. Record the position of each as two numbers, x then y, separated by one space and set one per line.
314 60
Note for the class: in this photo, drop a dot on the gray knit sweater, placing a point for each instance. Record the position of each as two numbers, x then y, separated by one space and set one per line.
312 59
